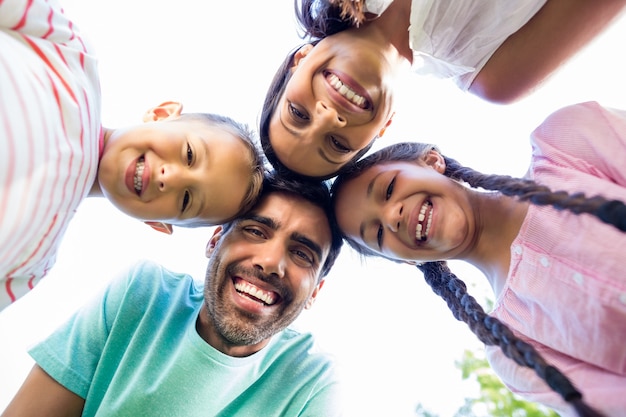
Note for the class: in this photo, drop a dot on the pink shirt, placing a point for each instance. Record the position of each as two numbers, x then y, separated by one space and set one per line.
49 137
566 289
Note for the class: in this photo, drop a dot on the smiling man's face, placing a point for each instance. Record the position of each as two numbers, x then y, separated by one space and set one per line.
263 272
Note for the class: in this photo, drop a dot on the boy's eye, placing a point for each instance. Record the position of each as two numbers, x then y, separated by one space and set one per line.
189 155
379 238
293 110
186 198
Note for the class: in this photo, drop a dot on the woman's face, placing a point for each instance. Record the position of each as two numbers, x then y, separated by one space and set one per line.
407 211
336 102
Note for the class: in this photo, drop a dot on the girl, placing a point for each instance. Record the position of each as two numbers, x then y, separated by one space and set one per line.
557 276
323 111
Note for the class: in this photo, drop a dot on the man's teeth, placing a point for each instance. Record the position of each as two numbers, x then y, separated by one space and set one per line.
266 297
346 91
138 181
422 230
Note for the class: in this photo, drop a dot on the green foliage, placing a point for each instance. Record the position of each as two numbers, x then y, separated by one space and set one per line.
495 400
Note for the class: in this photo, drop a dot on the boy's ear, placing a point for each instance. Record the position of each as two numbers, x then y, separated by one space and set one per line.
300 55
435 160
210 246
161 227
165 110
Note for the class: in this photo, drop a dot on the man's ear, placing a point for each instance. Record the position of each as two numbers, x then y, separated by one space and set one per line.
161 227
300 55
165 110
435 160
210 246
311 300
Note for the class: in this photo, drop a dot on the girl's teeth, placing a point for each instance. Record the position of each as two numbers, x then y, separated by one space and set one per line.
422 230
345 91
138 181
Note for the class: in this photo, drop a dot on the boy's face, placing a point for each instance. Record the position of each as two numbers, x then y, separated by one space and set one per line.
175 171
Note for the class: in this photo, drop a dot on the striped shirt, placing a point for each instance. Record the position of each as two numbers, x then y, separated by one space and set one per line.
49 137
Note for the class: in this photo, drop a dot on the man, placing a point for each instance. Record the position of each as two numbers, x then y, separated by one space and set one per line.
157 345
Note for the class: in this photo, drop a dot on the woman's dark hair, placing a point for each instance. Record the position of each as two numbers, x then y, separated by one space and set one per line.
444 283
317 20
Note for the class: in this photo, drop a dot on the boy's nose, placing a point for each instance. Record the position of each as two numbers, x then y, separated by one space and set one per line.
170 177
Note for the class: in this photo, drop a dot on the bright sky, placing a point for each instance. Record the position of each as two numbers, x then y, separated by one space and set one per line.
395 338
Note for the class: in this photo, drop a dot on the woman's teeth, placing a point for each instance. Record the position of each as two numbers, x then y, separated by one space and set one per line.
346 91
422 229
138 181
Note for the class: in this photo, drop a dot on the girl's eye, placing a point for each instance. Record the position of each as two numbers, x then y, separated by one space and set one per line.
189 155
186 198
379 238
338 146
293 110
390 189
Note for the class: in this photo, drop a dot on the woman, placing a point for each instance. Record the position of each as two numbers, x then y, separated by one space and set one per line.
333 96
557 276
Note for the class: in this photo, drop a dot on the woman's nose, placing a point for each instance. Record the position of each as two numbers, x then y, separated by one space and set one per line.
329 115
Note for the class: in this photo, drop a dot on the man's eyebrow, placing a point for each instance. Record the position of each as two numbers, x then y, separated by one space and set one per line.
261 219
368 194
299 237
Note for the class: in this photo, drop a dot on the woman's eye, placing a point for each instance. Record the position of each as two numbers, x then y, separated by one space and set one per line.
186 198
379 238
338 146
390 189
293 110
189 155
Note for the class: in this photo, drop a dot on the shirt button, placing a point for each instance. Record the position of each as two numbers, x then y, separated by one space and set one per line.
622 298
578 277
517 249
544 261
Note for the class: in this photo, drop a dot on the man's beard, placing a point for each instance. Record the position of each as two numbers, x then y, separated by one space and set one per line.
236 327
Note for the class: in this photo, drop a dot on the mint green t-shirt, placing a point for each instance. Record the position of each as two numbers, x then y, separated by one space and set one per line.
135 352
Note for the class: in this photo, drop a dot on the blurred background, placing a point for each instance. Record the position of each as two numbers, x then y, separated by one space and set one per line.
396 340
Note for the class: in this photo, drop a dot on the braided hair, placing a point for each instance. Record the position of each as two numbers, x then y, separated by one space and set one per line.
453 290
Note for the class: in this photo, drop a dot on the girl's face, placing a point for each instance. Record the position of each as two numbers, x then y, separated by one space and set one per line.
177 171
407 211
336 102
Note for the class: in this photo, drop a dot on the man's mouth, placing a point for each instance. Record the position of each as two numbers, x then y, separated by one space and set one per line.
424 222
347 92
255 293
138 179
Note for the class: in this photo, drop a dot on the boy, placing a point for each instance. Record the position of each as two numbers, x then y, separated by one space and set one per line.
54 151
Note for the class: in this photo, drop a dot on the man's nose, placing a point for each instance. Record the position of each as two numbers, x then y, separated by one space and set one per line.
271 258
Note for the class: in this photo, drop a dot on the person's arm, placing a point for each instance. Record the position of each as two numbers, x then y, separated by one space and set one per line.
553 35
42 396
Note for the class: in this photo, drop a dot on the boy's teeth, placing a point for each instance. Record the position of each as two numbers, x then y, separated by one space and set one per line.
346 91
421 231
138 180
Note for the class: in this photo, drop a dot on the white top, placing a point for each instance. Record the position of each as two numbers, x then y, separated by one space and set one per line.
49 137
454 39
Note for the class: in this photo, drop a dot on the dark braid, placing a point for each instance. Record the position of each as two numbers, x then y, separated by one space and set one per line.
492 331
609 211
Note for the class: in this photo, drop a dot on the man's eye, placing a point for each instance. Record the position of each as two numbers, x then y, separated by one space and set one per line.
303 256
338 146
186 198
189 155
390 189
253 231
293 110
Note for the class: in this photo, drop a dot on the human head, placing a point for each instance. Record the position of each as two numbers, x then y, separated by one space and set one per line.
308 124
268 265
192 169
421 154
